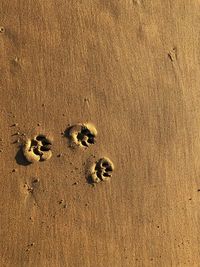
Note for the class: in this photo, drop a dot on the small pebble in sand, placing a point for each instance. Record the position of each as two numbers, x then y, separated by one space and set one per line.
14 124
2 29
36 180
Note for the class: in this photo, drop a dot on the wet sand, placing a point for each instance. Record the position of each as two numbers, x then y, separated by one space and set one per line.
131 69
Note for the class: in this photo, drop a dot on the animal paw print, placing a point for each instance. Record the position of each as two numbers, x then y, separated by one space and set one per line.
82 134
38 148
101 170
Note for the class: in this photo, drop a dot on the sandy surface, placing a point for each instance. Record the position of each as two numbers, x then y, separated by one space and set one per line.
132 69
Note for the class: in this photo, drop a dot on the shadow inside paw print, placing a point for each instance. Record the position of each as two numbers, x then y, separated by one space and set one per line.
37 149
82 135
101 170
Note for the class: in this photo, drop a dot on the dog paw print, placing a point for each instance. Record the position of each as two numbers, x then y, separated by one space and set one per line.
37 149
101 170
82 134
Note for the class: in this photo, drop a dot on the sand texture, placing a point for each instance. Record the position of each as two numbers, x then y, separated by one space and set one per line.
99 133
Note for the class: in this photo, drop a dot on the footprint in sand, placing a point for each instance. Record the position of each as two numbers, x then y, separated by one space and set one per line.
101 170
82 134
37 148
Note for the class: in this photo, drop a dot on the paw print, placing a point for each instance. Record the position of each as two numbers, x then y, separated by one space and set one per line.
37 149
82 135
101 170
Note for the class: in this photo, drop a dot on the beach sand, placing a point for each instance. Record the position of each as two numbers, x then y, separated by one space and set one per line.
129 68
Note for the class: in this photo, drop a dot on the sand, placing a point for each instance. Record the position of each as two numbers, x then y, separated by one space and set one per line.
130 68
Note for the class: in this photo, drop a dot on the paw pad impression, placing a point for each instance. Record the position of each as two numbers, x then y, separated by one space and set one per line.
82 134
101 170
38 148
